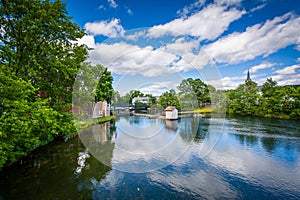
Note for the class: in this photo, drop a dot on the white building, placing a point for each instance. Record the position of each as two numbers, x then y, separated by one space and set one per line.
171 112
141 100
101 109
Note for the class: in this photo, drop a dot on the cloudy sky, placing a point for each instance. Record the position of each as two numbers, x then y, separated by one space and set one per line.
153 45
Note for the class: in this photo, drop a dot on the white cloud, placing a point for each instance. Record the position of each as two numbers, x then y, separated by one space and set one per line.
298 59
182 47
158 88
136 35
188 10
112 3
228 2
128 10
288 70
87 40
209 23
256 40
261 66
286 79
111 28
287 75
258 7
106 53
124 58
227 83
102 7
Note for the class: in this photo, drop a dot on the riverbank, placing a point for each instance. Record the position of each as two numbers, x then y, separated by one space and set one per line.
82 125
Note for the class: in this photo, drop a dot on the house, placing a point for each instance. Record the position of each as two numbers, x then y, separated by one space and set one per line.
101 109
171 112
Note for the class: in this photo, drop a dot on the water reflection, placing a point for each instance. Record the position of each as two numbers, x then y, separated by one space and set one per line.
266 133
247 162
100 141
140 144
172 124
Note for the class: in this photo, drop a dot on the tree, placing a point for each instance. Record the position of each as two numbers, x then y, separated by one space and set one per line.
104 89
134 93
169 98
25 123
39 44
152 99
244 100
269 87
192 90
39 60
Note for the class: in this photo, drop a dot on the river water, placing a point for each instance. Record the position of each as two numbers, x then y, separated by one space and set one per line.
142 158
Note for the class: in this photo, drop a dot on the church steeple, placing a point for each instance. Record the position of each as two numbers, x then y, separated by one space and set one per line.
248 77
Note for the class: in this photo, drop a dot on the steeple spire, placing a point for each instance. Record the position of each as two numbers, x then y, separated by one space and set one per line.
248 77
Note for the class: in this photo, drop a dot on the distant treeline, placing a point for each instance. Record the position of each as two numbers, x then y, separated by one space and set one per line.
268 100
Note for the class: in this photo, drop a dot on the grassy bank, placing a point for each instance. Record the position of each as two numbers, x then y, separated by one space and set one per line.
207 109
82 125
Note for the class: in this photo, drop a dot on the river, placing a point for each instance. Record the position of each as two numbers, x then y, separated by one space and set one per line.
142 158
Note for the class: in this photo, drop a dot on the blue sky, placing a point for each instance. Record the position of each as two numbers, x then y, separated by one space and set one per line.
153 45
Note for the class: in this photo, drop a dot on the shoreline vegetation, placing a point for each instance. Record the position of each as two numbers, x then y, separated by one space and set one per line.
82 125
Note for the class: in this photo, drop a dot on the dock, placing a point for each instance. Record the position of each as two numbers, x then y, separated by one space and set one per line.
149 116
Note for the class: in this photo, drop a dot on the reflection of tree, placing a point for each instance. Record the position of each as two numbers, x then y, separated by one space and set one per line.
134 120
98 140
249 140
269 143
202 130
192 129
51 173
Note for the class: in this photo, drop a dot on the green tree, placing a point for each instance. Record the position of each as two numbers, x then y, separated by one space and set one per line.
194 89
104 89
169 98
39 44
244 100
39 60
152 99
25 124
134 93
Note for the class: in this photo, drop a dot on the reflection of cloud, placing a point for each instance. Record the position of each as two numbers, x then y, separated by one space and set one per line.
257 169
230 171
147 148
197 183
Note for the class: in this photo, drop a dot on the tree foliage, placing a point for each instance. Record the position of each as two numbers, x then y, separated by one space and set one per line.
194 93
169 98
269 100
104 89
38 45
39 60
